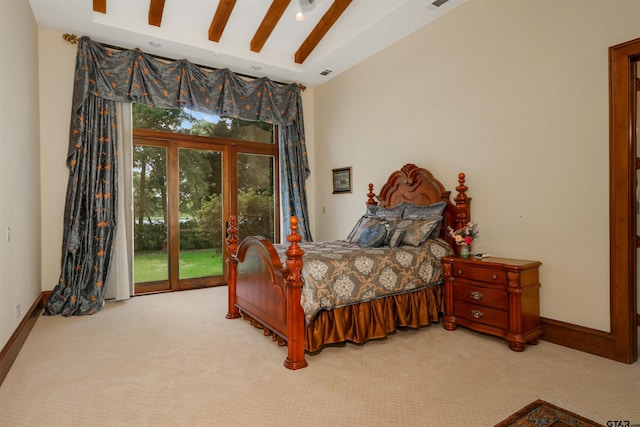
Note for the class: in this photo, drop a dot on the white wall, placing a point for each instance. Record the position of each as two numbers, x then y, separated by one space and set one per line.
19 165
514 94
57 65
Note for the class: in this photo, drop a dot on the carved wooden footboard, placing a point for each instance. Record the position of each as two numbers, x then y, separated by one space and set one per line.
266 292
261 289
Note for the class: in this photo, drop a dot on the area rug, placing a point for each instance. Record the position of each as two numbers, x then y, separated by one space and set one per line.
541 413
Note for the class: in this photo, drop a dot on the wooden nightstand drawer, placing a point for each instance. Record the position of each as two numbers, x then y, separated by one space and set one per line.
481 314
496 298
489 275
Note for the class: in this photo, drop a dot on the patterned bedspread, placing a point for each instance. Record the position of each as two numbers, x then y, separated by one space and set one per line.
340 273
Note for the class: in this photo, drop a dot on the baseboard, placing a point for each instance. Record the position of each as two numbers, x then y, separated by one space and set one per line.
45 297
12 348
580 338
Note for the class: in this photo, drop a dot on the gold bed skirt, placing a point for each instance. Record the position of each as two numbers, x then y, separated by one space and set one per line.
374 319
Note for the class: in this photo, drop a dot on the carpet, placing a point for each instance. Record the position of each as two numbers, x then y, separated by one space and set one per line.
541 413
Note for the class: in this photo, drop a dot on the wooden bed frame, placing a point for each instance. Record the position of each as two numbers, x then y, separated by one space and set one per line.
268 295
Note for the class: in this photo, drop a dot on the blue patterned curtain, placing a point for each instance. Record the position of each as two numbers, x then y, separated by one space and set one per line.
90 207
293 178
104 76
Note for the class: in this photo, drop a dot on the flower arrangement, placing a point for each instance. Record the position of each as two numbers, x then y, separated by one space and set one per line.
465 235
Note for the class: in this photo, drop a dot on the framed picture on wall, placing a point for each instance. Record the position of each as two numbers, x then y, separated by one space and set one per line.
342 180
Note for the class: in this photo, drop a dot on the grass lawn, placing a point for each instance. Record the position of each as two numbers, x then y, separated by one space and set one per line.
154 265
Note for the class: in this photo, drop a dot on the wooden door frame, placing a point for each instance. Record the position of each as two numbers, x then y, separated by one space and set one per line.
621 343
622 199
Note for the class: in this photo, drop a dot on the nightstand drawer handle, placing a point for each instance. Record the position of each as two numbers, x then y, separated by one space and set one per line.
460 272
477 314
494 277
476 295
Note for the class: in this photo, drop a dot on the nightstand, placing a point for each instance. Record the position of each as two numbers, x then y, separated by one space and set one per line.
497 296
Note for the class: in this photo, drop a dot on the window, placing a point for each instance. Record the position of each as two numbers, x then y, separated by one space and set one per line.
191 171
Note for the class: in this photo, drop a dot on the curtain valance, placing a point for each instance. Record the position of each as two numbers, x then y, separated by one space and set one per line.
135 76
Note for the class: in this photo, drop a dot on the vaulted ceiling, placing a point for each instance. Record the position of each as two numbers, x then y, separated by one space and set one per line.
254 37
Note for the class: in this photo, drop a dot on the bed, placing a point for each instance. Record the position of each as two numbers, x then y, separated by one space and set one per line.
271 285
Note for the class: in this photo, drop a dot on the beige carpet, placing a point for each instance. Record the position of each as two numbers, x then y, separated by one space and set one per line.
174 360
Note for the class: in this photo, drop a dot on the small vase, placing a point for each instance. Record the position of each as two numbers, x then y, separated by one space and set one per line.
464 251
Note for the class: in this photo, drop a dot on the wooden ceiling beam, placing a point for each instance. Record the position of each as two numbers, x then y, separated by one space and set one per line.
156 9
320 30
220 19
100 6
269 22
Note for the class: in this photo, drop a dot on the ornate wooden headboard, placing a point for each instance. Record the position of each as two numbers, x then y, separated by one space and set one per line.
415 185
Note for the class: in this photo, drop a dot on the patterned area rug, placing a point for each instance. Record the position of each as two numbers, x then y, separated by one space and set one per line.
541 413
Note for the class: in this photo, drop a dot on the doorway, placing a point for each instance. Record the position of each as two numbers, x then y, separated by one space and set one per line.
190 172
177 238
623 167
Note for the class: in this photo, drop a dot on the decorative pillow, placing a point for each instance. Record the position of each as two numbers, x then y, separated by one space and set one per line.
391 214
403 224
372 236
391 227
437 231
396 238
423 212
363 223
418 232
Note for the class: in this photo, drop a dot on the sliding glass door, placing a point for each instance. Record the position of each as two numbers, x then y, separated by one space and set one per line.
185 187
199 213
151 262
179 198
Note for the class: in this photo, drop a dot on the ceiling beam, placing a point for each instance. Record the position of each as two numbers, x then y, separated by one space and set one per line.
156 9
320 30
220 19
100 6
269 22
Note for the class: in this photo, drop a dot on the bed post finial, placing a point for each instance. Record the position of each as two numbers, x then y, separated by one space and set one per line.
371 196
232 261
463 203
461 188
295 315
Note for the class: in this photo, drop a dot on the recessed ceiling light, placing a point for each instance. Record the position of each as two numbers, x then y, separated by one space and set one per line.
299 16
155 44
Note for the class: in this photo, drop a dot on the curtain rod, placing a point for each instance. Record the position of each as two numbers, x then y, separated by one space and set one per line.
73 39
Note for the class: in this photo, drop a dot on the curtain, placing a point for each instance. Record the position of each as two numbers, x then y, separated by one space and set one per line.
119 284
90 221
104 76
293 178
